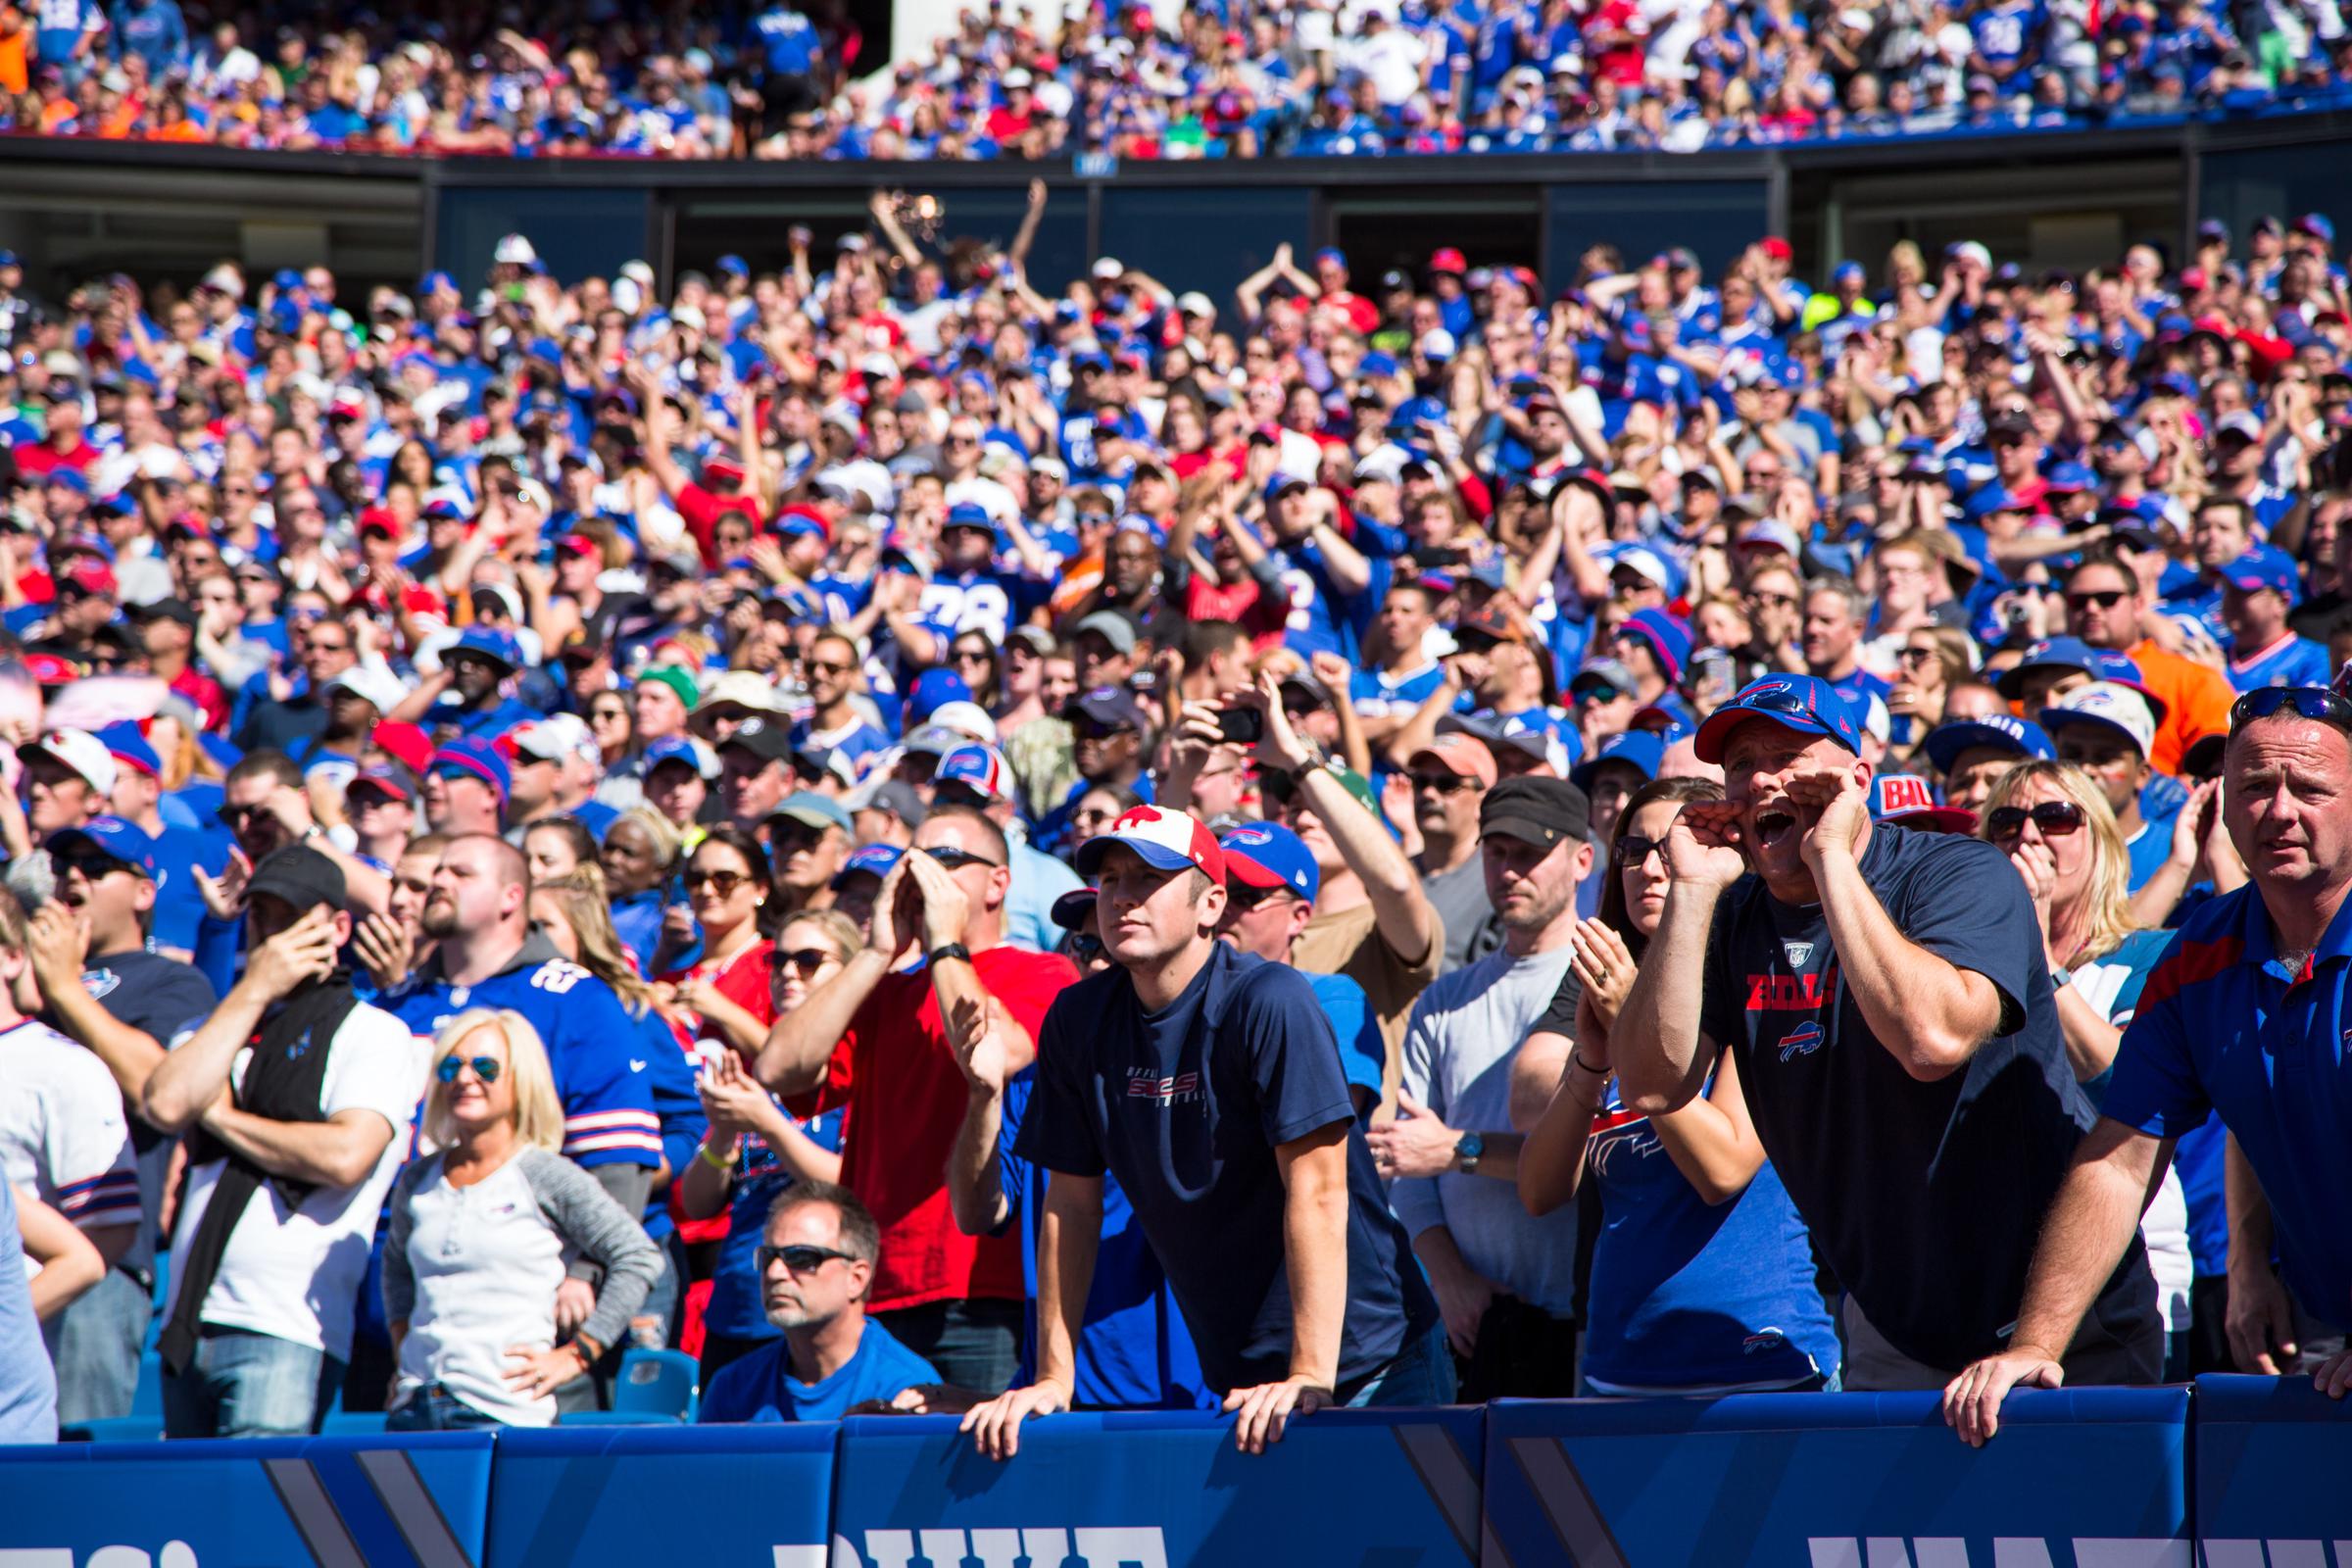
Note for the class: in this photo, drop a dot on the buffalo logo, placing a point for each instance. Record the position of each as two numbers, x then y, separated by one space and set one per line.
1252 836
99 982
1801 1040
1765 688
1762 1342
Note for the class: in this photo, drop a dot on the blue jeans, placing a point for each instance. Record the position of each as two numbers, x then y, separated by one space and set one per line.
433 1408
95 1344
247 1385
1421 1375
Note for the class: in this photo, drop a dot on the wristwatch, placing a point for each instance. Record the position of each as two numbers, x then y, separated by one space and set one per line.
949 950
1466 1149
2061 977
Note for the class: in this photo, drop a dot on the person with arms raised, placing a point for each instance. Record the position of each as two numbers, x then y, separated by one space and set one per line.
1887 1001
2244 1015
1208 1084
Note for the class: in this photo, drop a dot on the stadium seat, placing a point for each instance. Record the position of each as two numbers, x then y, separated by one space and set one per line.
144 1424
351 1423
656 1383
617 1418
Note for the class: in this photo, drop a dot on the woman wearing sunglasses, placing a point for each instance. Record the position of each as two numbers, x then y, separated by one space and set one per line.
723 998
481 1234
1702 1274
757 1146
2053 822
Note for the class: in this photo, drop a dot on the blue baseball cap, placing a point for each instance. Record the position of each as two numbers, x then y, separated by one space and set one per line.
969 514
673 749
476 758
2000 732
2068 477
125 743
733 266
932 689
1267 855
1805 704
1074 910
112 836
485 643
1278 482
1641 749
1668 638
2051 652
1993 498
2266 566
2122 669
877 859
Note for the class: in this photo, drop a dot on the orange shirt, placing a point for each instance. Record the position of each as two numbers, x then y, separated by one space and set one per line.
14 48
2196 701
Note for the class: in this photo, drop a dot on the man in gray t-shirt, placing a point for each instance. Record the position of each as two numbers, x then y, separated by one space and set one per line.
1450 775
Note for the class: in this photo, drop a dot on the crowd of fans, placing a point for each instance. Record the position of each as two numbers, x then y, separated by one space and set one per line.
940 846
1240 81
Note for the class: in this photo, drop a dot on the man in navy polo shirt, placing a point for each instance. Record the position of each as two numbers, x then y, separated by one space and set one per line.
1888 998
2246 1013
1208 1084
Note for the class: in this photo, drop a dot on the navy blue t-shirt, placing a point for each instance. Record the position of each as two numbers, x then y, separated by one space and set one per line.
1924 1199
1185 1107
761 1386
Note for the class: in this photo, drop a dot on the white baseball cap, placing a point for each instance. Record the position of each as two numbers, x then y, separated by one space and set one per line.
2103 702
373 684
83 751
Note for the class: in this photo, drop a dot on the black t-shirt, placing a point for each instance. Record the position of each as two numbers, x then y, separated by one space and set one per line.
162 997
1925 1198
1185 1107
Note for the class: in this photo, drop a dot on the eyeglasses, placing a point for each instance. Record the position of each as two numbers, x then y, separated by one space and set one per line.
2311 701
486 1068
952 858
1916 655
1442 783
1635 850
2051 818
973 656
723 882
2096 598
806 960
797 1259
91 866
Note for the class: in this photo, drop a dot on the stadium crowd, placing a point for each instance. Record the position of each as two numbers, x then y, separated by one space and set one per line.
1238 80
944 848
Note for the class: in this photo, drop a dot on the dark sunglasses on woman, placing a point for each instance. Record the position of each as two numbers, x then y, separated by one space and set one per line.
2052 818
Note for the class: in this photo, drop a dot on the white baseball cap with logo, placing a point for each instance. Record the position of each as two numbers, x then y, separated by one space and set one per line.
83 751
2103 702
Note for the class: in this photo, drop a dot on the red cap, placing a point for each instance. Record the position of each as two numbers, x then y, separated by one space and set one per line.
406 742
723 471
380 519
92 576
578 544
51 669
1776 247
1449 260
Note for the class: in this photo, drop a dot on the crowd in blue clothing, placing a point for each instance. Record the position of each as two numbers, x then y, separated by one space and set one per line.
1312 78
731 601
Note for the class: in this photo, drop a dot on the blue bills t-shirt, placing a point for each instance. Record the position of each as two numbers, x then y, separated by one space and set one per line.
1186 1106
761 1388
1925 1198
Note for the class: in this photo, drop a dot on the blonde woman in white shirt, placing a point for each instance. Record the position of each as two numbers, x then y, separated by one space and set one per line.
482 1232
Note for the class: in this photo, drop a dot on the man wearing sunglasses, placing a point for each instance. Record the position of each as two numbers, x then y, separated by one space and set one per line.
978 778
2107 608
816 1261
2245 1015
955 1299
1888 997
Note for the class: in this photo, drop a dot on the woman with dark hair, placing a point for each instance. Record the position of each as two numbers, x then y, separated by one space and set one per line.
722 997
558 845
1702 1274
974 658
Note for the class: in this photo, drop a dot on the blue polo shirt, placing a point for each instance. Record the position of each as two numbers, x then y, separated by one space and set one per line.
761 1388
2224 1027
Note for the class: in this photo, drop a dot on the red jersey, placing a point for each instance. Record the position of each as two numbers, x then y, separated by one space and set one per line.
907 1099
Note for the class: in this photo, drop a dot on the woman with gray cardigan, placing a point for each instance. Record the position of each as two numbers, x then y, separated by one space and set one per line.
483 1233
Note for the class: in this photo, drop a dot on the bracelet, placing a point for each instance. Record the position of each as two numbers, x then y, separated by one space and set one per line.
1576 1058
726 1166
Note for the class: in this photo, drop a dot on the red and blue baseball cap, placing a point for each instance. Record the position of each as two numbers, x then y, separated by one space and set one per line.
2266 566
1805 704
1643 749
2000 732
1074 910
112 836
1668 638
1167 841
1266 855
978 767
128 746
1906 800
476 758
874 859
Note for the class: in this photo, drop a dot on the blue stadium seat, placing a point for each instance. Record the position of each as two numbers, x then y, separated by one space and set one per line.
351 1423
617 1418
144 1424
656 1383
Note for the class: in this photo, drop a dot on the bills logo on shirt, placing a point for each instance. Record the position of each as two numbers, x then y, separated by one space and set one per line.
1145 1084
99 983
1787 992
1801 1040
1799 953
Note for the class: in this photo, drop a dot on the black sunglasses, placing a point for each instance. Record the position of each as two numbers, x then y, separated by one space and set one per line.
799 1259
1083 946
486 1068
727 882
1636 850
91 866
2051 818
2096 598
954 859
2312 702
1444 783
807 961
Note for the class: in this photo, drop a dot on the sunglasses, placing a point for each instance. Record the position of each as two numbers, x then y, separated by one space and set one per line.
726 882
1083 946
797 1259
953 858
486 1068
2051 818
807 961
2096 598
91 866
1636 850
2311 701
1916 655
1597 691
1442 783
1087 729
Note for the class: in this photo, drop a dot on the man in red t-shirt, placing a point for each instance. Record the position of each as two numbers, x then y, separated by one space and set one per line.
61 445
957 1300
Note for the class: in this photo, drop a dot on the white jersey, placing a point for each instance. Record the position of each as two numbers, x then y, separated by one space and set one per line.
63 1136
